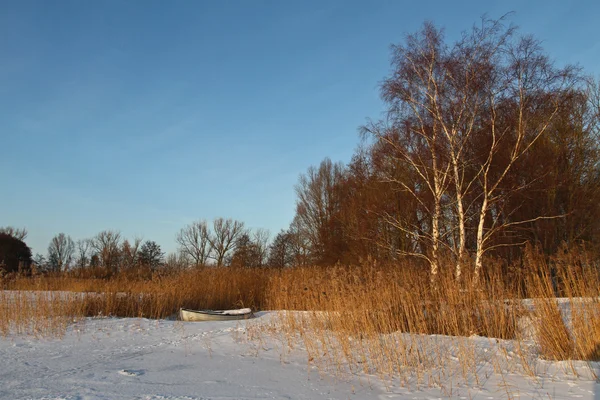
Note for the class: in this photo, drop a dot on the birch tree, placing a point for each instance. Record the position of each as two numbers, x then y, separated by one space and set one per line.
525 94
460 119
416 136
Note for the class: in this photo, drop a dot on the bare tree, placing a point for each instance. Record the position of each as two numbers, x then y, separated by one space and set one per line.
60 252
130 253
280 251
260 238
527 92
20 234
416 136
246 253
83 250
300 245
316 209
461 118
438 94
107 247
224 237
194 242
176 262
250 249
39 264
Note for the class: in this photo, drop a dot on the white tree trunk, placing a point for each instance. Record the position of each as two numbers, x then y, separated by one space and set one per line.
435 234
461 223
437 212
480 248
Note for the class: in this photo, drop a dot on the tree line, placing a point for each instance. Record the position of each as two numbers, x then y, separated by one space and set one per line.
485 145
223 242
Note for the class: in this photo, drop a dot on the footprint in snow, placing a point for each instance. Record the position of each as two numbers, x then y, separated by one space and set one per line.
132 372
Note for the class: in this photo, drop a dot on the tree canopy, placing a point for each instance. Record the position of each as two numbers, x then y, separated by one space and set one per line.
14 254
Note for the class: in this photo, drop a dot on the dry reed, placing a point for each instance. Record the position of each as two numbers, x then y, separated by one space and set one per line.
369 318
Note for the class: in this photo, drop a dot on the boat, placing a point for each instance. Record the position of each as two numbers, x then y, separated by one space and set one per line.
186 314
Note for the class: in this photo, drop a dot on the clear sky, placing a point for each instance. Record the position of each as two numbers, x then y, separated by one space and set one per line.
143 116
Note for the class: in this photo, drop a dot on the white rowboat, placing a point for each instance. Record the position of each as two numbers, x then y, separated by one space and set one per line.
214 315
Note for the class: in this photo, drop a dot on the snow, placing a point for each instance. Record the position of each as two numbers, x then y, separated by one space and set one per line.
134 358
240 311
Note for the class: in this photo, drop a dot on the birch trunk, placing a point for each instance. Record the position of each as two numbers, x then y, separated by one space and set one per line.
480 239
438 178
435 234
461 223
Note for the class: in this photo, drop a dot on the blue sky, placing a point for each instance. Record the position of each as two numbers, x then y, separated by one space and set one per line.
143 116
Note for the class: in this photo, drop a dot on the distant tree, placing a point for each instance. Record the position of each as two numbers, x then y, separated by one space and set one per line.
83 250
247 253
151 255
130 253
15 256
39 260
317 208
260 238
369 199
562 170
302 254
281 252
176 262
20 234
94 260
194 242
60 252
224 238
107 247
39 263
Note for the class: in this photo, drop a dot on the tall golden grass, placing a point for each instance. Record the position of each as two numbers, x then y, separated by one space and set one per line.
357 318
351 312
40 305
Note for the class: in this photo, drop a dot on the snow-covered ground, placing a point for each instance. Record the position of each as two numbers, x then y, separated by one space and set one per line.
132 358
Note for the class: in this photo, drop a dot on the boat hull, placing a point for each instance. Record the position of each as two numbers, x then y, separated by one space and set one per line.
205 315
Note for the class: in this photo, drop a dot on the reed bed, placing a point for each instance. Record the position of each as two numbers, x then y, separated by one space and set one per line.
393 323
48 298
379 320
384 320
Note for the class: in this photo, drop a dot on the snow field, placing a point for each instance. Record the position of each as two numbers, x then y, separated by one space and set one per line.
133 358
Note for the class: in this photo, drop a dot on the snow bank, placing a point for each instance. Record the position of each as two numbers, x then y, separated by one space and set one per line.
241 311
133 358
